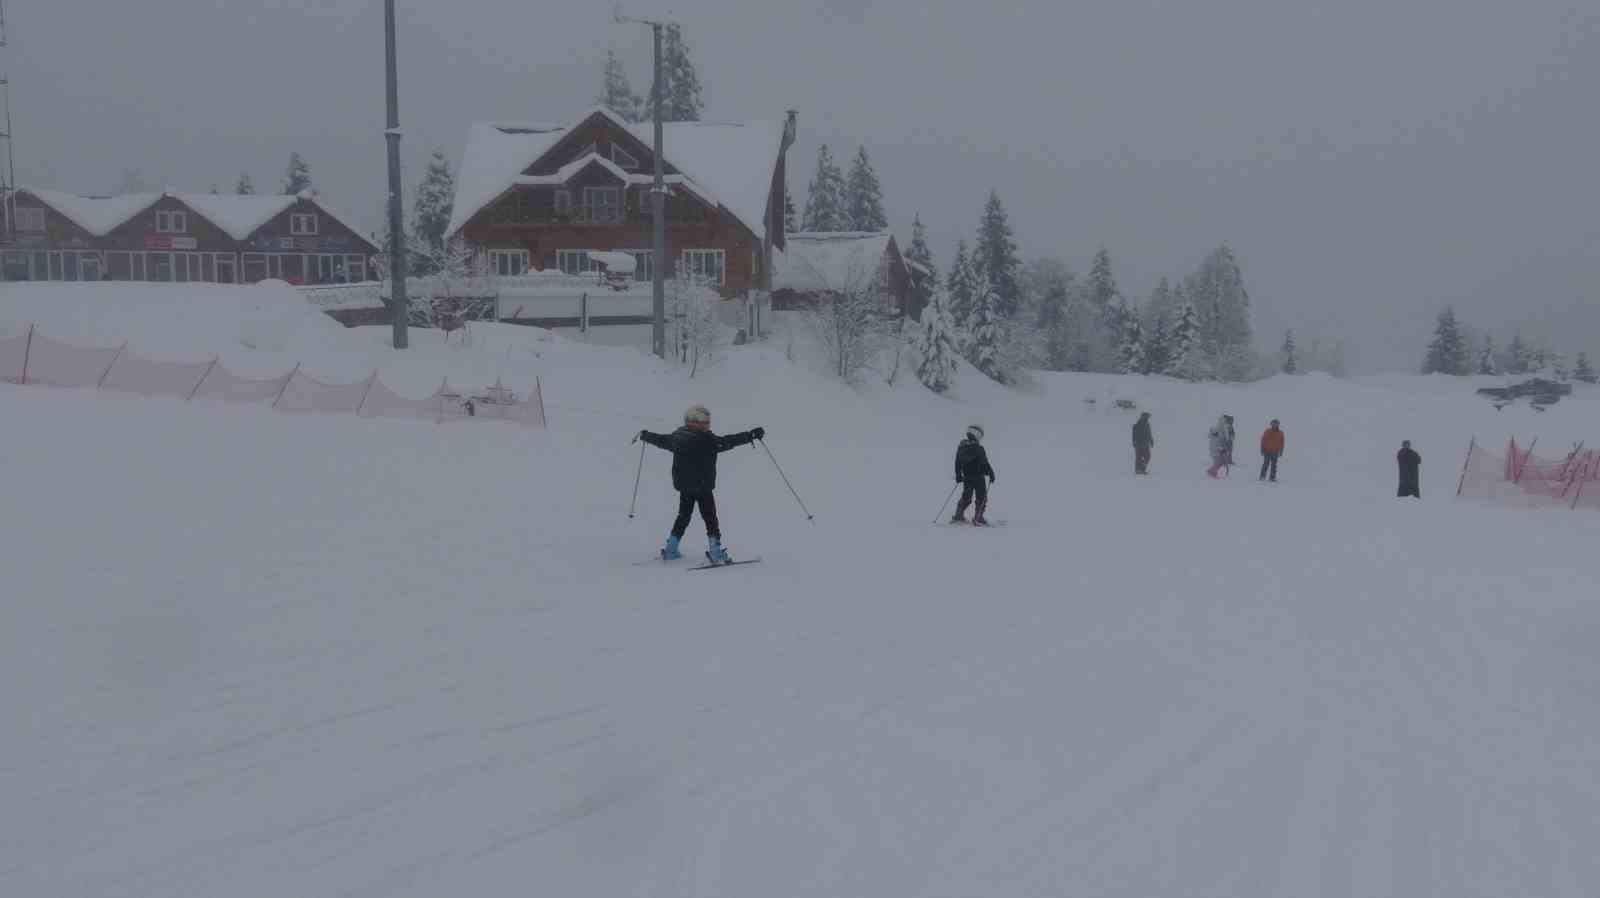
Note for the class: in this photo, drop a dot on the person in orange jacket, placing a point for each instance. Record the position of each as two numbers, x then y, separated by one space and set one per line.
1271 449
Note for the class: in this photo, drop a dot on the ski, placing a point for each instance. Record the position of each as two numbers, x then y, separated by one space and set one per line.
709 565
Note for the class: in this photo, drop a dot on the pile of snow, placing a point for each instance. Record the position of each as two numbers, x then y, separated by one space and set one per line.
426 661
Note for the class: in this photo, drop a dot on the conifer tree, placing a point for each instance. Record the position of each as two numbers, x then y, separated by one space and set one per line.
1157 347
864 195
430 213
936 345
1218 293
791 218
1582 370
1291 364
1055 322
297 178
1130 348
1486 362
680 83
825 209
1183 358
1519 358
244 186
616 94
924 274
996 257
1447 352
984 336
961 289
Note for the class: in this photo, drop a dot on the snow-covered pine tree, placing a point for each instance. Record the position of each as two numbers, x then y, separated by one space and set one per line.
961 290
1291 364
996 256
244 186
1583 370
1183 359
1447 351
297 178
936 345
791 218
1157 347
1218 293
1055 308
430 213
825 200
1103 290
1486 362
616 93
1539 357
924 274
680 83
1519 358
864 195
983 348
1130 344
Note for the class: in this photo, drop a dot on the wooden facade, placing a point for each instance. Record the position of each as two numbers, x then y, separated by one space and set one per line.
590 191
171 238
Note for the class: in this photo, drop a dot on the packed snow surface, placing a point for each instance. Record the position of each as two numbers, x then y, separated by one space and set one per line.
251 654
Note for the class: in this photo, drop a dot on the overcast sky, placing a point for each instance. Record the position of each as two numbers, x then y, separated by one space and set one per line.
1369 160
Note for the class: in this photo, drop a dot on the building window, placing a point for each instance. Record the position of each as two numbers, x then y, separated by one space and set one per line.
172 221
624 158
563 201
30 218
574 261
602 204
508 263
225 266
704 265
303 224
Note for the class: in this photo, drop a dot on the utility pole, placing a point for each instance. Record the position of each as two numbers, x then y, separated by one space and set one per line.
399 307
658 202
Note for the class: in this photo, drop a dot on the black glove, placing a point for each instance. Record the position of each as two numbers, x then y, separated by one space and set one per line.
991 477
760 433
639 436
958 478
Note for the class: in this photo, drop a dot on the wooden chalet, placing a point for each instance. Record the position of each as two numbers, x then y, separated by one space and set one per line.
817 263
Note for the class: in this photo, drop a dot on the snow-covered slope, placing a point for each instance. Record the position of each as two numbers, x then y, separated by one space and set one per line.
251 654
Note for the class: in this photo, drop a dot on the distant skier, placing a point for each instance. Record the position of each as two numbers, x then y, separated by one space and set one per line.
1220 442
1410 468
1143 442
694 451
1271 450
972 466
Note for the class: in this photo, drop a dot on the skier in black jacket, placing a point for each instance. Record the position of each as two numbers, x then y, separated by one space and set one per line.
972 466
694 451
1410 469
1143 441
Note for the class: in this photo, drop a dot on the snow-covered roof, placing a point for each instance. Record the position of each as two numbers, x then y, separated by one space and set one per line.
239 215
729 164
834 260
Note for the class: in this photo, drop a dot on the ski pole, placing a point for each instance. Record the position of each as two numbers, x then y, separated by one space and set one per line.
940 515
636 476
809 516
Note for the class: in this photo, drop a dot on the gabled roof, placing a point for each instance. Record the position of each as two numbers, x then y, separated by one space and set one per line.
238 215
818 261
730 164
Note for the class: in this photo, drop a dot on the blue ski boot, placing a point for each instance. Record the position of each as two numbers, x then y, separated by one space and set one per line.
715 553
670 552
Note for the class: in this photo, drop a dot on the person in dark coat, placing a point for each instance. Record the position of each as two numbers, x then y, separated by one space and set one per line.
972 467
1410 471
1143 442
694 451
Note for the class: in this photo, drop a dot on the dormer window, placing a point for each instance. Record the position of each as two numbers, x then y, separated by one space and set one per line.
172 221
30 218
303 224
624 158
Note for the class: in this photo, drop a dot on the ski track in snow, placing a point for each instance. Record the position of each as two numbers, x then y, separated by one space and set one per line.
262 672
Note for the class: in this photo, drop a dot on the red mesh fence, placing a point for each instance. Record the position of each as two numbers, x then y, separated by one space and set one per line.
1518 475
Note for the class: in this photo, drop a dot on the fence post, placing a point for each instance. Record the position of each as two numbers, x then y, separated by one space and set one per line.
285 384
101 382
583 312
27 351
1588 467
202 378
538 390
1463 481
1526 457
370 381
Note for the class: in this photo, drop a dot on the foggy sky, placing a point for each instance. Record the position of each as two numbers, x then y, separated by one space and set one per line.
1369 160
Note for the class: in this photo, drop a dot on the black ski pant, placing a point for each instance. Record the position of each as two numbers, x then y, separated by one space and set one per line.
1269 460
978 488
1409 488
1141 459
708 513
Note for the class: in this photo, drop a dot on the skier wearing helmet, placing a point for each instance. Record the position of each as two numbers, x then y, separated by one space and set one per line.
694 451
972 466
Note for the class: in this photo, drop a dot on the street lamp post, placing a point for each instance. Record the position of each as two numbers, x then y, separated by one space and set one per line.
398 304
658 203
